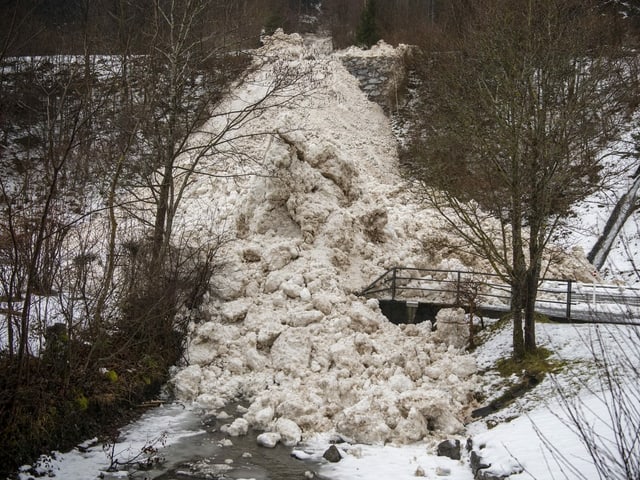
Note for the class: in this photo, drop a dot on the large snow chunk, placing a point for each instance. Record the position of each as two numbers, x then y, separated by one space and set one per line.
335 168
366 318
452 327
210 402
291 352
255 360
268 333
238 428
235 311
233 285
274 280
304 318
291 289
186 382
262 418
279 257
364 422
413 428
324 302
289 431
268 439
400 382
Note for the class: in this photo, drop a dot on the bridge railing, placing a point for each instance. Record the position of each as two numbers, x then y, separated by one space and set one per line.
457 288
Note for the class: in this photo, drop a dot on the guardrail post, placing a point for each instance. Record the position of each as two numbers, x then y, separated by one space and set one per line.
458 289
393 284
569 286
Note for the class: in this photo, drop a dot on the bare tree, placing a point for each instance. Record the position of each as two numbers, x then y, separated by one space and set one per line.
181 84
512 133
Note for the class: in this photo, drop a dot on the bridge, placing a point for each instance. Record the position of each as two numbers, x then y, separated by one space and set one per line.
412 295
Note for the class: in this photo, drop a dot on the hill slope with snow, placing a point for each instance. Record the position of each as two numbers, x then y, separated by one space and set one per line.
285 330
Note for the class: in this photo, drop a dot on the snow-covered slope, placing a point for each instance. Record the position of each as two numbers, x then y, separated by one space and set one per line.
285 329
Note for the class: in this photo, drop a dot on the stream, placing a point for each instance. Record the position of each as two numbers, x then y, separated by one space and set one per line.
195 449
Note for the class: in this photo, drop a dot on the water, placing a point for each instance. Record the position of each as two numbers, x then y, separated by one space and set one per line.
188 447
205 453
206 460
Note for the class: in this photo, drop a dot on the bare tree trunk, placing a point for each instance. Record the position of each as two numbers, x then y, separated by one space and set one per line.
518 287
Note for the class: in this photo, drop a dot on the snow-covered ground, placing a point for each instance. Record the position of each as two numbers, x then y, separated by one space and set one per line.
515 441
285 330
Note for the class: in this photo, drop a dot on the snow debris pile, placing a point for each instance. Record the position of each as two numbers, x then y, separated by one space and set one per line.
284 328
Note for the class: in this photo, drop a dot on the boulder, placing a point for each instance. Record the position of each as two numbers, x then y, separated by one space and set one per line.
477 463
332 454
449 448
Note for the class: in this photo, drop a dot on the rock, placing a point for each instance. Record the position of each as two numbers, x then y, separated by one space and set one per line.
332 454
477 464
419 472
268 439
449 448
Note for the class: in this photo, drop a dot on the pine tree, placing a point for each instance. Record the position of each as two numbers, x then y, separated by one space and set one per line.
367 33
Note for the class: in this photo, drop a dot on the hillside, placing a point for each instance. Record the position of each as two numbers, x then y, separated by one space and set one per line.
314 211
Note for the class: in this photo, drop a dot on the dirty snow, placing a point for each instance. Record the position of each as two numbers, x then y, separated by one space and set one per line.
285 329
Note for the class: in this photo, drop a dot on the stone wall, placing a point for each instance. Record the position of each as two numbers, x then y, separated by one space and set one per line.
381 73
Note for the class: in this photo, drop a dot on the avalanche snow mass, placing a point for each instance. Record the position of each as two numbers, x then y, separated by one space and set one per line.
324 212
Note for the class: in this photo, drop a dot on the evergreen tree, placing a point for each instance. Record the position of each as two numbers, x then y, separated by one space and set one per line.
367 32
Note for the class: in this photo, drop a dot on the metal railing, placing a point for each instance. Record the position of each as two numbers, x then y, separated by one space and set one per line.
457 288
